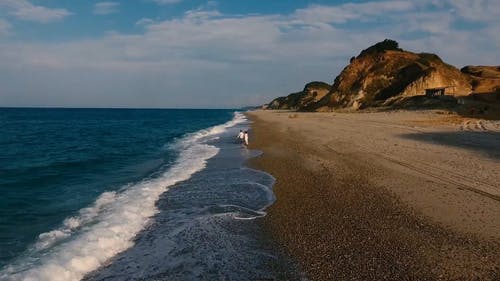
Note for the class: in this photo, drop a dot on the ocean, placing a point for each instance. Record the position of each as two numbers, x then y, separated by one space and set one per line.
129 194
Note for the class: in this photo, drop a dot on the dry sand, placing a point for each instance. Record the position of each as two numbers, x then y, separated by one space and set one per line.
393 195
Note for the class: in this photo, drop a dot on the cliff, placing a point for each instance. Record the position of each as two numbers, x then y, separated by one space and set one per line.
306 99
485 79
386 75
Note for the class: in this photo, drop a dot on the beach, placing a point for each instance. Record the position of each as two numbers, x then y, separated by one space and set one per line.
396 195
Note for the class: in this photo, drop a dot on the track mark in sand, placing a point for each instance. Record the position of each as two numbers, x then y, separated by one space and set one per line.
480 126
381 124
492 125
452 178
448 177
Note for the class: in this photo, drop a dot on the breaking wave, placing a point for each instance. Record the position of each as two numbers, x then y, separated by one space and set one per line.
86 241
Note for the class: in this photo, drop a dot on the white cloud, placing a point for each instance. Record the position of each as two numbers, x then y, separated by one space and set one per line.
222 60
477 10
106 8
350 11
144 21
23 9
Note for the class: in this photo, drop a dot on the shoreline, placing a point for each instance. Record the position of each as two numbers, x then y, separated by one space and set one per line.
343 212
207 227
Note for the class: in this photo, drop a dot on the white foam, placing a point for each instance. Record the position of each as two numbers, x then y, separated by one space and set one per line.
99 232
206 134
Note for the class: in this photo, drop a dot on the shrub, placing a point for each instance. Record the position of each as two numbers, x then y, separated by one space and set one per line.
383 46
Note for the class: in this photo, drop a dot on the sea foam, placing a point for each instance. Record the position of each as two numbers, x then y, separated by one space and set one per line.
86 241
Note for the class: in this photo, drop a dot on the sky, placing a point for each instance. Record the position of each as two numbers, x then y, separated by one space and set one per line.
216 54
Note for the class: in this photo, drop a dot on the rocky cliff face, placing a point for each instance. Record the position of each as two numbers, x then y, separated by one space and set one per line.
303 100
383 75
485 79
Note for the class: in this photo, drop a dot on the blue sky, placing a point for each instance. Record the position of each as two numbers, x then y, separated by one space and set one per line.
227 53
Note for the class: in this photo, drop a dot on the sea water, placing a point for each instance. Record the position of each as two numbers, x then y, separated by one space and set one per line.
126 194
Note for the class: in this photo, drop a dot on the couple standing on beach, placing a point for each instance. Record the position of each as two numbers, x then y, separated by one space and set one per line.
243 137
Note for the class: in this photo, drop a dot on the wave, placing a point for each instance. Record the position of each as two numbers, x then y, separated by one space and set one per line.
86 241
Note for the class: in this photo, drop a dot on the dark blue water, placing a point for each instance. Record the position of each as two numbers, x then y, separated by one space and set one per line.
54 162
206 227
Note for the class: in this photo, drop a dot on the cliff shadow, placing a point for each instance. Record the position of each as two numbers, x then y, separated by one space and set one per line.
487 142
478 106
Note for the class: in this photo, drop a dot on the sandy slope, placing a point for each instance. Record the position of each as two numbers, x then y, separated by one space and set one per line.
415 194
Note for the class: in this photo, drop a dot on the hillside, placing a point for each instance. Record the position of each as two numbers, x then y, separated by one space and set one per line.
306 99
386 75
485 79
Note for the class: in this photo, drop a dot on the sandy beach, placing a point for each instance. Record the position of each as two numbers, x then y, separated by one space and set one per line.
398 195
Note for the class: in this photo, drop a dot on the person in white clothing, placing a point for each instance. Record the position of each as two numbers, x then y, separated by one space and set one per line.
241 136
245 135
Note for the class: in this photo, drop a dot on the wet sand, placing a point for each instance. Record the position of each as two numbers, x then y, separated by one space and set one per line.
383 196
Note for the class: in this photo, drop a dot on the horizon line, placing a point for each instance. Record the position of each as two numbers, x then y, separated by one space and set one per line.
152 108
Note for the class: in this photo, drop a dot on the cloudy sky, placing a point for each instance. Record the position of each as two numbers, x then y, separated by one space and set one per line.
226 53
